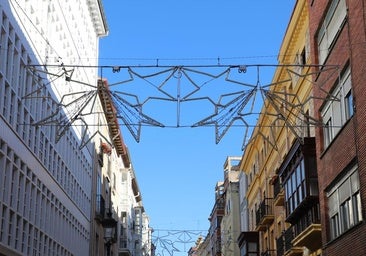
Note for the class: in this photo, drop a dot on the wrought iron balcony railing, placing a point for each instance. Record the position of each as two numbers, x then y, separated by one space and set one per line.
285 245
100 207
264 214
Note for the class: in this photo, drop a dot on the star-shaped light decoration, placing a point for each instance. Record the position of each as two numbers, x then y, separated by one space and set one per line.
225 115
168 242
73 107
285 106
176 84
131 114
282 103
164 245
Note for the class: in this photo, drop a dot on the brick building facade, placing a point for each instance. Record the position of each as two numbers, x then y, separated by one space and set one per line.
338 37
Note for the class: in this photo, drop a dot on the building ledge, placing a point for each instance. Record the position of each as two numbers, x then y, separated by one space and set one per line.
310 237
113 125
124 252
294 251
264 222
279 200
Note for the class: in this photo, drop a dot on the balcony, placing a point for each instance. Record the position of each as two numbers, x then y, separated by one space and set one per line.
99 208
308 230
122 247
264 214
218 245
310 237
279 195
122 242
285 246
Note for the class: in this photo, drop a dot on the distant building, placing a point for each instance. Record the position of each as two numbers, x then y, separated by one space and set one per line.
202 248
225 216
215 219
193 250
230 224
243 240
117 190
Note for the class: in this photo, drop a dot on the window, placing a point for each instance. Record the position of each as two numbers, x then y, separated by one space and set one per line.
249 243
300 61
344 203
124 177
330 27
328 133
114 180
228 206
339 109
348 100
295 187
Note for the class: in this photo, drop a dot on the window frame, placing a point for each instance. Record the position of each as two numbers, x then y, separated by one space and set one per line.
344 210
294 186
330 28
338 110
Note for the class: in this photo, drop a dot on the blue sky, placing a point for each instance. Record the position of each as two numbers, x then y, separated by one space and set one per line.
177 168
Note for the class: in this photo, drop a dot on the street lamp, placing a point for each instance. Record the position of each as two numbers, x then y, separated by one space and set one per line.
109 224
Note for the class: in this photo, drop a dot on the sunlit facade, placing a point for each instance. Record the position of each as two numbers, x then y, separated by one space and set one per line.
46 178
280 161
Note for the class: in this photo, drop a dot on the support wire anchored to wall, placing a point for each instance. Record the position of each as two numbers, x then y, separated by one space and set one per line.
219 96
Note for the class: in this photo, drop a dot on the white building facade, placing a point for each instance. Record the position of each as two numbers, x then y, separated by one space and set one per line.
46 171
117 191
134 231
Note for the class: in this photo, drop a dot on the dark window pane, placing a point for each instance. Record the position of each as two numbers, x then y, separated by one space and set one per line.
345 215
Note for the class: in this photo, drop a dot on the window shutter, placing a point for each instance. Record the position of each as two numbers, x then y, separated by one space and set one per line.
336 20
355 182
337 113
322 46
346 81
344 191
333 203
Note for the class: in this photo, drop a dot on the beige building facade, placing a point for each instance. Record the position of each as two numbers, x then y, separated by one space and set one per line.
280 157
